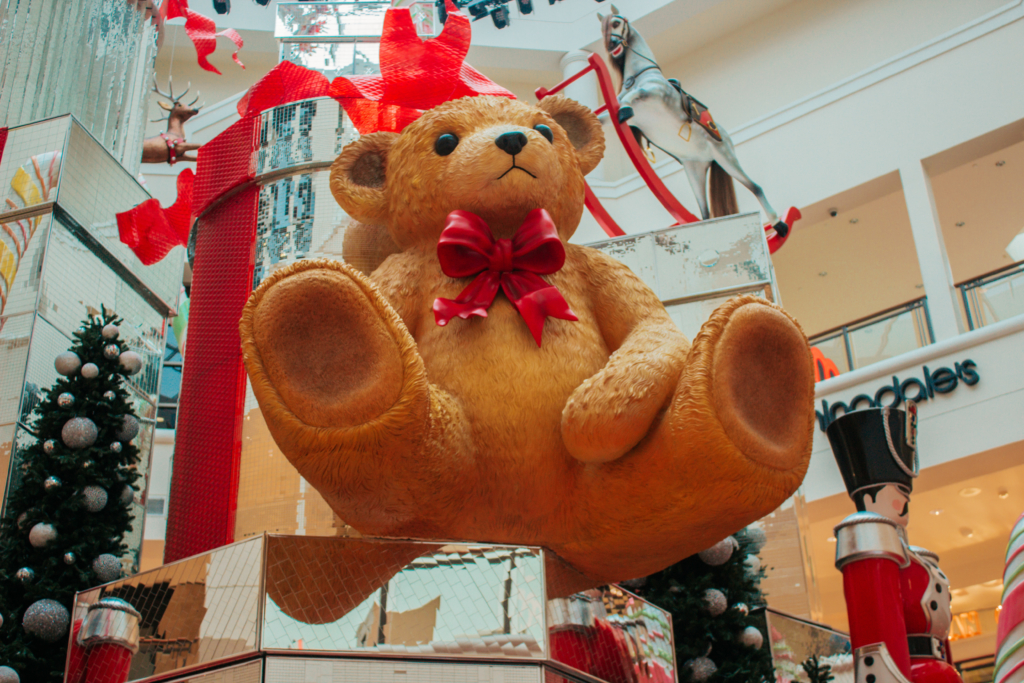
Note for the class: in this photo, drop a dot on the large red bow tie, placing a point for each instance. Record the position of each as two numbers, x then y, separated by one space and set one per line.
467 247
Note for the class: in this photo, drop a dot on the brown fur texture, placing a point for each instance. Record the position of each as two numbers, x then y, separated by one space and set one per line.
617 443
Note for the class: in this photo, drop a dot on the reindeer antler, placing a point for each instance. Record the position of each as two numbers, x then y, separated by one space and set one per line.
170 89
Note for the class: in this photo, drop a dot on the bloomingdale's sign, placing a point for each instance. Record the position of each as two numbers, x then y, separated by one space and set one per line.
940 381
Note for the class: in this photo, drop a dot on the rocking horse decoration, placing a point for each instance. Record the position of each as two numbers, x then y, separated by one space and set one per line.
670 119
170 146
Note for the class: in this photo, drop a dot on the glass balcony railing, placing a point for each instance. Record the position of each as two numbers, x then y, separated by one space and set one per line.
875 338
994 296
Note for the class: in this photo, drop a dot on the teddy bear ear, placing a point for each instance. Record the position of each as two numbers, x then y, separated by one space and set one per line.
582 127
358 176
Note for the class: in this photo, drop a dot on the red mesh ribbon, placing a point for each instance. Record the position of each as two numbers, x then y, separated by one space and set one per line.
285 83
151 231
415 74
202 31
3 141
467 247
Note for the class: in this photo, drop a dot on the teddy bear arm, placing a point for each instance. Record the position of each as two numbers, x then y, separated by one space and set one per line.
612 410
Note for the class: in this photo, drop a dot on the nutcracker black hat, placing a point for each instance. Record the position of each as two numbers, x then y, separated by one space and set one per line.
876 446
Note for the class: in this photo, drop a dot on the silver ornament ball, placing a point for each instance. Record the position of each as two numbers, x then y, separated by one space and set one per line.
129 428
127 495
752 637
94 498
702 668
752 564
47 620
757 536
116 447
79 432
49 446
52 483
111 351
66 400
69 558
107 568
719 553
715 602
67 363
9 675
131 362
109 395
42 534
742 608
90 371
26 575
110 331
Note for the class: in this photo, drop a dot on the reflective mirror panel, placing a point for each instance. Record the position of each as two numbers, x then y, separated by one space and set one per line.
332 21
366 595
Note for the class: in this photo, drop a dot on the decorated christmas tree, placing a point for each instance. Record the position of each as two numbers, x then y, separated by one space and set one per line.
70 505
710 596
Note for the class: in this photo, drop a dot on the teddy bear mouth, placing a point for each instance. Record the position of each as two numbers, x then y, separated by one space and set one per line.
513 167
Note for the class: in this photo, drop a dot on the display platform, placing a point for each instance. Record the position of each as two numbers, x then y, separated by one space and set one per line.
286 609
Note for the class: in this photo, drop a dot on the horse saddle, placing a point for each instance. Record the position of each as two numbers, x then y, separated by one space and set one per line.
697 112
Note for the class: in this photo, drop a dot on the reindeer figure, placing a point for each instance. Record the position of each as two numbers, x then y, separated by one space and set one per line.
171 146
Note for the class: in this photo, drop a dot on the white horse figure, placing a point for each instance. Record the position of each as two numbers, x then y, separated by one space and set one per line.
674 122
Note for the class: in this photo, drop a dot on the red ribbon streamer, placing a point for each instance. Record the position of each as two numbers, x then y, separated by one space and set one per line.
151 231
3 141
202 31
467 247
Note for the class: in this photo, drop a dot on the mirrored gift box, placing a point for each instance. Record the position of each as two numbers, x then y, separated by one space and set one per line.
299 608
62 260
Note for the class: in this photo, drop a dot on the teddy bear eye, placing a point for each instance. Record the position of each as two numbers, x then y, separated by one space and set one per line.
545 131
446 144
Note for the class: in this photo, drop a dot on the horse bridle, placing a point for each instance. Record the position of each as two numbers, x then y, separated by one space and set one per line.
625 44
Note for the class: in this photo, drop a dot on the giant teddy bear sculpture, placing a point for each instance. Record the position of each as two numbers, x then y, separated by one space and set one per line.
570 412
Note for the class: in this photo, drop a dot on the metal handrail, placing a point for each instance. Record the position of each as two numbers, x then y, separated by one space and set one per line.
873 319
988 278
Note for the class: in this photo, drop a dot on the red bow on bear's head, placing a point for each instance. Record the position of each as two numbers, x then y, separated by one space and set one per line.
415 75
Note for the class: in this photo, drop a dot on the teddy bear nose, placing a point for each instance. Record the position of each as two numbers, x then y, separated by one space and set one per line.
511 143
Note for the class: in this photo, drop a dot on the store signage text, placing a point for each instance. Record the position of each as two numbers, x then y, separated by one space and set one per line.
940 381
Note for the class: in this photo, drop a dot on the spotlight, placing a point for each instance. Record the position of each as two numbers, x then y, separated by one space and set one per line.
500 16
442 11
525 6
222 6
478 10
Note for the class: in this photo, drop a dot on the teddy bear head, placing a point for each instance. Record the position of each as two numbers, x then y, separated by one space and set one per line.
492 156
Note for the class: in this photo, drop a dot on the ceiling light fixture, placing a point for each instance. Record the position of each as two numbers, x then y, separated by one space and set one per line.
1003 494
960 224
854 221
823 273
1000 163
831 539
967 532
970 492
936 512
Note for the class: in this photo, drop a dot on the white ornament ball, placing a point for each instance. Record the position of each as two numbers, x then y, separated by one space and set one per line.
79 432
757 536
752 564
109 395
719 553
110 331
742 608
129 429
41 535
67 363
715 602
47 619
90 371
69 558
94 498
752 637
127 494
702 668
111 351
9 675
66 400
107 568
131 362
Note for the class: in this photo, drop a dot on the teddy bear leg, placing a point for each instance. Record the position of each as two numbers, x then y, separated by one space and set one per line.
344 393
733 444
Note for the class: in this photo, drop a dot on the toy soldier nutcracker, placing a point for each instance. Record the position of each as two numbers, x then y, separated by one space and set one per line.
897 598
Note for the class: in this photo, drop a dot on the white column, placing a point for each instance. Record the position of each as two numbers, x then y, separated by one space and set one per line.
585 91
933 261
